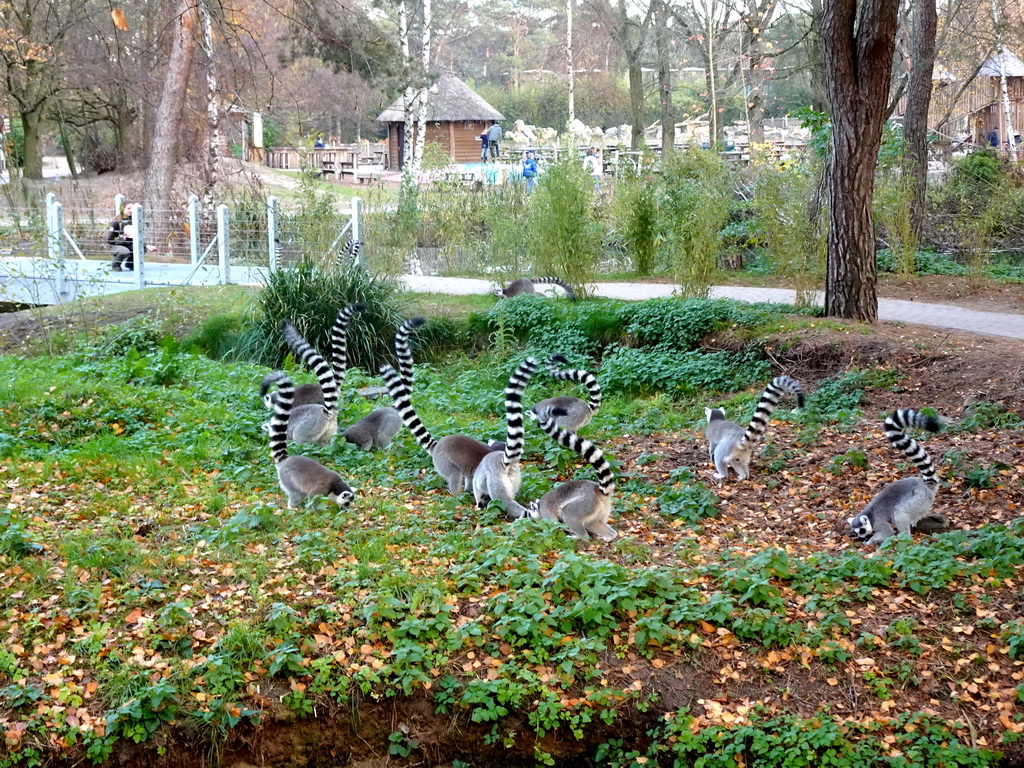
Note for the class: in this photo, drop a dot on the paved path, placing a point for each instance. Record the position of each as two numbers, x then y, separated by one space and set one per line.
32 281
893 310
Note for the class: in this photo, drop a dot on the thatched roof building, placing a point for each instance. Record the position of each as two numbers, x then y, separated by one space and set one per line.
456 116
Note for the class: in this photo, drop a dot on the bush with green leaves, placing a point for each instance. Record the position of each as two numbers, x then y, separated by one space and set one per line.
311 298
635 212
562 233
696 193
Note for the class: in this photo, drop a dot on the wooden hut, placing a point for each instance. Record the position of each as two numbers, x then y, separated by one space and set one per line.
977 109
456 116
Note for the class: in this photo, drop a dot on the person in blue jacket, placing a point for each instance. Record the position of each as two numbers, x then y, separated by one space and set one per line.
529 171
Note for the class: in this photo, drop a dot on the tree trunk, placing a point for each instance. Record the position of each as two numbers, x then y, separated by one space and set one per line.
858 44
668 117
160 175
758 17
33 152
421 118
212 166
569 60
636 104
915 117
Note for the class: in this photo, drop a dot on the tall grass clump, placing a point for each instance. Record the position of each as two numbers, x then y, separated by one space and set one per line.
635 214
314 224
562 234
311 298
894 194
782 202
505 216
696 193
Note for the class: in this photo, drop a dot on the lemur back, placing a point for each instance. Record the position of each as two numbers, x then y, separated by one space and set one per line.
526 285
300 477
305 394
498 474
577 412
729 445
376 430
901 505
456 457
583 506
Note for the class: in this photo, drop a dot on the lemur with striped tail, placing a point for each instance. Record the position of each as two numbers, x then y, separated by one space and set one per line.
576 412
300 477
313 394
902 504
498 474
583 506
527 285
312 423
729 445
379 427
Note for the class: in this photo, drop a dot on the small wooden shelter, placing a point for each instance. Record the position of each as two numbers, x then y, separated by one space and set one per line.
978 108
456 116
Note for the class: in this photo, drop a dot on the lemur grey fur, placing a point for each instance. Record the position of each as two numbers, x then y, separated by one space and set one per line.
456 457
305 394
729 445
583 506
498 475
376 430
300 477
901 505
526 285
577 412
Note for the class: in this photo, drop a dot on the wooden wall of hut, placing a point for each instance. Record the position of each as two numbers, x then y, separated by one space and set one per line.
979 108
459 139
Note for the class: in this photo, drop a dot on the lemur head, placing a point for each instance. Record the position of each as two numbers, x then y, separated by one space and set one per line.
860 527
344 499
499 292
533 510
714 414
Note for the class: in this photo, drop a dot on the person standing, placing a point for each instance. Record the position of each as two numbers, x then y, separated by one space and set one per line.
529 171
592 165
483 146
493 137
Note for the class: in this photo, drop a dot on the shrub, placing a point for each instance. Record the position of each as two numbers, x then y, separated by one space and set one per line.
696 193
636 216
311 298
641 371
562 232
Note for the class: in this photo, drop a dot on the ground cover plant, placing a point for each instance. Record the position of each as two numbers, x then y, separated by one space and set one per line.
160 605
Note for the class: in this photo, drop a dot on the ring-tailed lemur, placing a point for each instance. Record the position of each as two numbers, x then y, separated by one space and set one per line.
577 412
300 477
350 252
729 445
313 423
307 394
583 506
456 457
900 505
498 476
402 349
376 430
526 285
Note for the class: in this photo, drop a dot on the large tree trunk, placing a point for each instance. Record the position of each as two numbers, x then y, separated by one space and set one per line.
636 104
212 166
162 161
858 45
33 151
668 117
915 117
756 19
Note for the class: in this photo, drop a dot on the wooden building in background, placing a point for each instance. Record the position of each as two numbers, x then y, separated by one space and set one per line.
456 116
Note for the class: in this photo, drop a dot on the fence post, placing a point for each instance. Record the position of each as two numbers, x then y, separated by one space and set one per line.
223 251
272 231
193 228
139 245
56 246
357 228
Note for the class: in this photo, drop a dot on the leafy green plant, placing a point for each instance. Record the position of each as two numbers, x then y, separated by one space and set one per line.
636 215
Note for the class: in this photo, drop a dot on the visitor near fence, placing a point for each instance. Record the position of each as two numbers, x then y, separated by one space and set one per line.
120 240
592 165
483 145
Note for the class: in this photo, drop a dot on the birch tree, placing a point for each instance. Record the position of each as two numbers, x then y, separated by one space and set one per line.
212 164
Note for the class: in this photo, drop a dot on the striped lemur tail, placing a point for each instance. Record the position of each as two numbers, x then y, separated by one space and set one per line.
278 426
402 349
401 393
569 292
894 426
590 452
576 374
339 339
778 386
514 437
323 370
